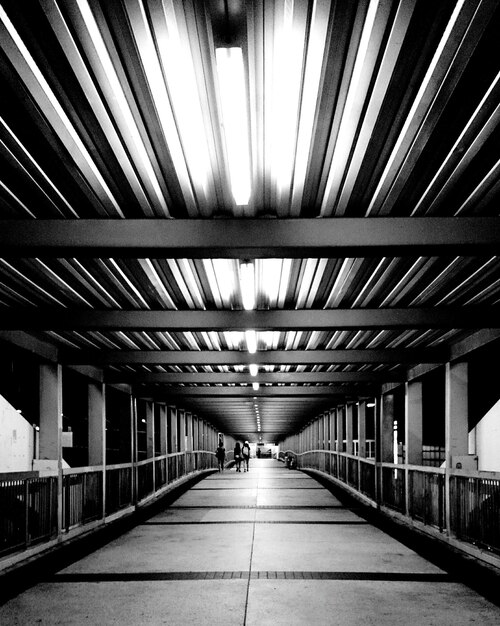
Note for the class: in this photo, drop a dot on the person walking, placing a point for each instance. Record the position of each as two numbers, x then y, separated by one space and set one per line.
245 453
220 453
237 456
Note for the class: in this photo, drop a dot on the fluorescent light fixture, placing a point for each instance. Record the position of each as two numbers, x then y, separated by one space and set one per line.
251 339
288 64
255 386
254 369
247 285
370 404
231 73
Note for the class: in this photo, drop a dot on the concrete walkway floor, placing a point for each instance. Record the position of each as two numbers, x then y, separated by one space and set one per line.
270 546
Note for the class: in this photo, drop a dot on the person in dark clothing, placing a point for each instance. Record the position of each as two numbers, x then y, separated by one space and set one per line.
245 453
220 453
237 456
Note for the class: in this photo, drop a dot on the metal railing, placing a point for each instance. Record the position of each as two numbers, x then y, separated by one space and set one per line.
426 491
29 503
119 493
28 511
475 510
419 493
82 496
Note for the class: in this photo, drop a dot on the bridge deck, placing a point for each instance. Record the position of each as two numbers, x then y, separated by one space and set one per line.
270 546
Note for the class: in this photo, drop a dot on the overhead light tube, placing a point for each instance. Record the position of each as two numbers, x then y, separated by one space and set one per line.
247 285
254 369
251 339
231 73
255 386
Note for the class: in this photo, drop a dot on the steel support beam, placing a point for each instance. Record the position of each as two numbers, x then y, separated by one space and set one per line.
265 357
242 392
251 238
245 378
179 321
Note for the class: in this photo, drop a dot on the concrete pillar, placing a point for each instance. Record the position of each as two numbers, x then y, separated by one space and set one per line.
163 429
97 424
51 427
349 428
340 429
196 444
413 423
189 431
181 421
51 412
173 429
134 448
150 430
456 423
362 429
456 411
385 445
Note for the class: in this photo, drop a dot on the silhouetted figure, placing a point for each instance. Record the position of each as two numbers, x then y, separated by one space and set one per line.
245 452
220 453
237 456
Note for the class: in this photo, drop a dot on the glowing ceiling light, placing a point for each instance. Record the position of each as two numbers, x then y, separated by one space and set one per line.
255 386
247 285
251 339
287 71
254 369
230 69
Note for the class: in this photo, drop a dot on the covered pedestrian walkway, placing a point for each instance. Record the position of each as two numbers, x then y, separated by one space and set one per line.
271 546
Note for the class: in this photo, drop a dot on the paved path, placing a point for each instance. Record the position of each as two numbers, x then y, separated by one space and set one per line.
270 546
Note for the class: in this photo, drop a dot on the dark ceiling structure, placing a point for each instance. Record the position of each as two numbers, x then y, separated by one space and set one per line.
350 166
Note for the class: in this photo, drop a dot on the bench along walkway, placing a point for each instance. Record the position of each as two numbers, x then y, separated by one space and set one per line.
270 546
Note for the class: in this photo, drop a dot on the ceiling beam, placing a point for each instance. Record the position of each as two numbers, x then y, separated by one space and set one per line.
264 357
246 378
332 319
263 392
251 238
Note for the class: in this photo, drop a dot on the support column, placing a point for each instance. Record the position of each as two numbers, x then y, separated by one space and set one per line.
150 431
413 423
413 434
51 427
456 424
173 429
97 432
150 439
362 429
385 445
333 429
134 449
164 436
163 429
196 445
189 432
97 424
349 428
384 436
181 430
456 411
340 429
